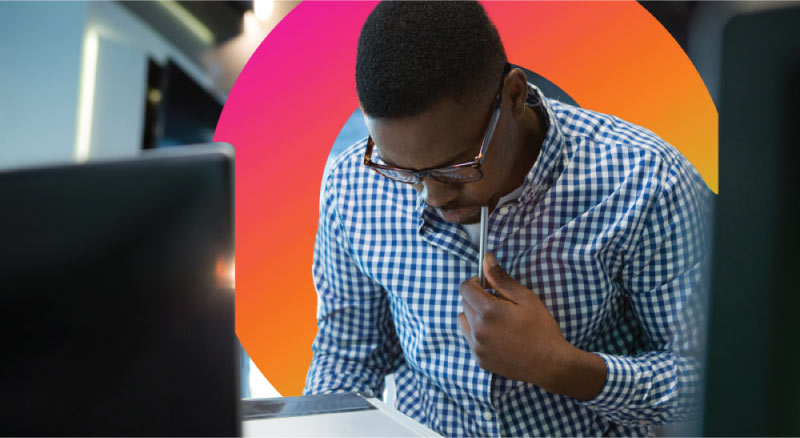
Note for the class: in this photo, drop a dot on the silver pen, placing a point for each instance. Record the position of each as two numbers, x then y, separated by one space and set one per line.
482 247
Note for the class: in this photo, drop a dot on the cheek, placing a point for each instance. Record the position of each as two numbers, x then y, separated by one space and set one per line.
477 193
498 167
502 160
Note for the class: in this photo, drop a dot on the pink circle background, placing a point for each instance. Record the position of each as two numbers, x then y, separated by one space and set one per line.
298 89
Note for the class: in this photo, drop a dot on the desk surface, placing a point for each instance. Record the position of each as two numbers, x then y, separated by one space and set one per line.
384 421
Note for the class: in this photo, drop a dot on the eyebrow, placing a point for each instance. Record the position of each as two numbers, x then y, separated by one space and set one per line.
457 159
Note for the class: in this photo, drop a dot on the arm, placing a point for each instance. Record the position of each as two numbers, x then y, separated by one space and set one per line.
356 345
663 278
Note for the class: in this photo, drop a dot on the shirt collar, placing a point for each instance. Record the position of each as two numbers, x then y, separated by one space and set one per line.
544 172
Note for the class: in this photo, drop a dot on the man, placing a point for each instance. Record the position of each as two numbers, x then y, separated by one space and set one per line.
588 324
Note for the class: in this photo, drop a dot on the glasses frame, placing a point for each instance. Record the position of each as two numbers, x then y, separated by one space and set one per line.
432 171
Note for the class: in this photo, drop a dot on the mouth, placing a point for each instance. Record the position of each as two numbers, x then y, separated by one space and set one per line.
458 215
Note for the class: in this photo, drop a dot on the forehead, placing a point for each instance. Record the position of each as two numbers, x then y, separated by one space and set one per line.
447 131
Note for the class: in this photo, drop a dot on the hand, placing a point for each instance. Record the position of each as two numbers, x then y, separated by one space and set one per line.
514 335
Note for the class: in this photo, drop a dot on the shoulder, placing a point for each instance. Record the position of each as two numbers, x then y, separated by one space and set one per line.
347 165
592 127
609 143
350 186
346 171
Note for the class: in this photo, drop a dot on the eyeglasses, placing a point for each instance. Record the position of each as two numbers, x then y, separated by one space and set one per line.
455 174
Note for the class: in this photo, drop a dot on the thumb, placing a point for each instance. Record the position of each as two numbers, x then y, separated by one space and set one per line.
499 279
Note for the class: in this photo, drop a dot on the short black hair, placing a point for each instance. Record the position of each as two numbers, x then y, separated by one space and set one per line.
412 54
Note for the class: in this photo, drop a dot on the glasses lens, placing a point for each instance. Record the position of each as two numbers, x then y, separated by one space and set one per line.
457 176
398 175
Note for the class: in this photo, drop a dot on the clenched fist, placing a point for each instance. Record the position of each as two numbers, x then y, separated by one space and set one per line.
514 335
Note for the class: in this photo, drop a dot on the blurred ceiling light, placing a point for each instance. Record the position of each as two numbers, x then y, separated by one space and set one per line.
86 99
263 9
188 20
253 27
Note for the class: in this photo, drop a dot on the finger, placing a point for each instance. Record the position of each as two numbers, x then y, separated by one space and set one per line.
476 296
463 324
505 286
470 312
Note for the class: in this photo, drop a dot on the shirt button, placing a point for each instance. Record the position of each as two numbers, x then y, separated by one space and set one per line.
488 416
504 210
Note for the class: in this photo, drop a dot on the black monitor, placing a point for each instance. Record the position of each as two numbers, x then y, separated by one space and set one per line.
753 368
116 297
184 111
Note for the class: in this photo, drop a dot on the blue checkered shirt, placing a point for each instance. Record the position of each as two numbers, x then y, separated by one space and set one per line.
608 231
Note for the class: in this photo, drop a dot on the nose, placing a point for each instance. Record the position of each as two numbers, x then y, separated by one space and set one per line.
436 193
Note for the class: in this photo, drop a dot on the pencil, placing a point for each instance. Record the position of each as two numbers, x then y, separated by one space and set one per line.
482 247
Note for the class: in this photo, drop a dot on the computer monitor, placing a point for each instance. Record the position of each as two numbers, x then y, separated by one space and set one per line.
753 368
116 297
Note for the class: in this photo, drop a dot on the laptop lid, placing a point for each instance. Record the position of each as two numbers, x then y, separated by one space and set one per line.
116 299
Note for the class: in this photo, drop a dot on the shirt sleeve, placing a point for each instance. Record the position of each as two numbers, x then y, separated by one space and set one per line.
356 345
663 277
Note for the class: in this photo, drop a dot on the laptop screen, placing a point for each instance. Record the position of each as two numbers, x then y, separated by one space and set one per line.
116 308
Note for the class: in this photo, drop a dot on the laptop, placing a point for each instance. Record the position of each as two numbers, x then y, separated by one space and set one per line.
328 415
116 297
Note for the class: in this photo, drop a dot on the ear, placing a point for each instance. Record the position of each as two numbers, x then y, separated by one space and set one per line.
516 87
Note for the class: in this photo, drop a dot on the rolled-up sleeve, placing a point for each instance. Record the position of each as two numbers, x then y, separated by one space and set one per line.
356 345
663 278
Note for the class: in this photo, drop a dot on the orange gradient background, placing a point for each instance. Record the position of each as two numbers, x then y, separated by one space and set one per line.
298 89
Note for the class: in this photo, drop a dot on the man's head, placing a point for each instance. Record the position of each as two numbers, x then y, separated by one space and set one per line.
428 75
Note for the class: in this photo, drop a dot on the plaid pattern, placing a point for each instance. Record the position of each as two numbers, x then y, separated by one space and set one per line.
608 232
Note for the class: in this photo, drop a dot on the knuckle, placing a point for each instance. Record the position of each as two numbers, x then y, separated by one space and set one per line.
490 314
479 333
501 275
484 309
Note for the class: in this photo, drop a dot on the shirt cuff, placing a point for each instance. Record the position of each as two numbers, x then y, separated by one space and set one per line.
619 387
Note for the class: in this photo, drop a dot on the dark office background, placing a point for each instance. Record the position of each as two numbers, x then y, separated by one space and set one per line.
182 80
